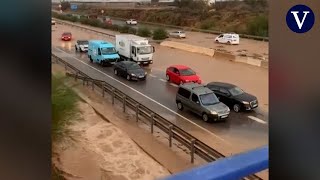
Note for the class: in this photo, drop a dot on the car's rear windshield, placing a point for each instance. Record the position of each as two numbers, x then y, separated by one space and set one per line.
66 33
209 99
83 42
187 72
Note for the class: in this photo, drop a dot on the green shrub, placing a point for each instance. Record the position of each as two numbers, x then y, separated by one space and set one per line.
144 32
159 34
132 30
115 27
258 26
207 24
124 29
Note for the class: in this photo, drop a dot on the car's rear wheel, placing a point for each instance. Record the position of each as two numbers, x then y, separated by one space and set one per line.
115 72
167 77
236 108
229 42
205 117
179 106
181 82
128 77
76 48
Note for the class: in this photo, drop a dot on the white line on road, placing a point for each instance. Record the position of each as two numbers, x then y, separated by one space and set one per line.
163 80
152 75
257 119
172 84
146 97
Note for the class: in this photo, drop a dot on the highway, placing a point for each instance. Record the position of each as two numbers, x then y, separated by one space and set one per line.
241 132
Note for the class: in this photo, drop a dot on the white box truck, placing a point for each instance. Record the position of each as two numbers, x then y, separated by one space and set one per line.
134 48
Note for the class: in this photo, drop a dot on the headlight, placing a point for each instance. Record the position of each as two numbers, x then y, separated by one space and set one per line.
133 75
213 112
245 102
145 73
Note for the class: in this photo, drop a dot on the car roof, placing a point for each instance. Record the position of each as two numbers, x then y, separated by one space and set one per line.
180 66
222 84
196 88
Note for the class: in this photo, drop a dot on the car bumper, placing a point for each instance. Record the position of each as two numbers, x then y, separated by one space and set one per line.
248 107
141 78
145 62
218 116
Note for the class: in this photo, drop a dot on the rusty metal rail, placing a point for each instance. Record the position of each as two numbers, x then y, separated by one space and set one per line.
156 120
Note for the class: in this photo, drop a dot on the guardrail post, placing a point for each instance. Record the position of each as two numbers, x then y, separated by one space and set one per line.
170 135
113 95
192 149
124 103
92 83
76 76
102 87
65 67
137 112
84 81
152 122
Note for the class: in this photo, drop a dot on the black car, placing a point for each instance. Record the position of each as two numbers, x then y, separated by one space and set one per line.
130 70
233 96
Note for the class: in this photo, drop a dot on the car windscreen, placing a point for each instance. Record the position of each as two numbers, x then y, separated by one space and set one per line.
133 66
187 72
83 42
144 50
209 99
108 51
236 91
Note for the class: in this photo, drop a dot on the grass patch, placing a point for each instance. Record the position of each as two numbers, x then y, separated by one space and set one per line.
64 107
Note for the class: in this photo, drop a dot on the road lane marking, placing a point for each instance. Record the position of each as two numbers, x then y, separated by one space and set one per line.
152 75
172 84
165 107
163 80
257 119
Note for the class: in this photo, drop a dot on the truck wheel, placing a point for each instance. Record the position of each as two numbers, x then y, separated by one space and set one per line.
76 48
91 60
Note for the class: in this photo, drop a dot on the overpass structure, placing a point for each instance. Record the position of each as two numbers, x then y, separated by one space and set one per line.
231 168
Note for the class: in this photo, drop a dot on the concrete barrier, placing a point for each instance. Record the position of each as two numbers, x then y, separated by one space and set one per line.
188 47
224 56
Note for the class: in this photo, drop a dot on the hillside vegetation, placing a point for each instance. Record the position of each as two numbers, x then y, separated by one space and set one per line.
245 17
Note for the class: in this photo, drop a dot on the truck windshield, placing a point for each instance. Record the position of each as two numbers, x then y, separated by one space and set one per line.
209 99
144 50
108 51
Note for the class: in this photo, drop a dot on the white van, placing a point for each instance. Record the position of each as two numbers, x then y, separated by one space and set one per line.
228 38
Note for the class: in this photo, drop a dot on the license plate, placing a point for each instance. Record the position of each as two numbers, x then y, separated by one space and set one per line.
140 76
145 62
224 116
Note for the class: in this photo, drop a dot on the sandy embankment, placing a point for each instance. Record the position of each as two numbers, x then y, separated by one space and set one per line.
97 150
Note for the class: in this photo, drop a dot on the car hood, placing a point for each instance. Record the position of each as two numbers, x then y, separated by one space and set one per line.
245 97
220 108
137 72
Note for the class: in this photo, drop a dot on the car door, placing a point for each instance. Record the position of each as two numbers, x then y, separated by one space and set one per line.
195 104
176 76
225 96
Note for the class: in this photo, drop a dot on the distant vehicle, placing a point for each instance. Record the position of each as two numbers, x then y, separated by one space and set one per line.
233 96
134 48
66 36
132 22
202 101
102 52
53 22
228 38
82 45
178 34
130 70
180 74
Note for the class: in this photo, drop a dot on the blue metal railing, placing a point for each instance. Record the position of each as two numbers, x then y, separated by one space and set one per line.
229 168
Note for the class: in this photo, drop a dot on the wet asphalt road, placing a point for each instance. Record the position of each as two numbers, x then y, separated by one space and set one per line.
239 131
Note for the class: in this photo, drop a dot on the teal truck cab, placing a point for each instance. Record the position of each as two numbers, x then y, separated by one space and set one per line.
102 52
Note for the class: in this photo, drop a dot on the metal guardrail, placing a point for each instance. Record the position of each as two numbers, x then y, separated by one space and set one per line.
259 38
175 133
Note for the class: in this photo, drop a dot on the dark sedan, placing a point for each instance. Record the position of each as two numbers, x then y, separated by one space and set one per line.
130 70
233 96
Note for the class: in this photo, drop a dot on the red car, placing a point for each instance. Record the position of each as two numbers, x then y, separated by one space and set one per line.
180 74
66 36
